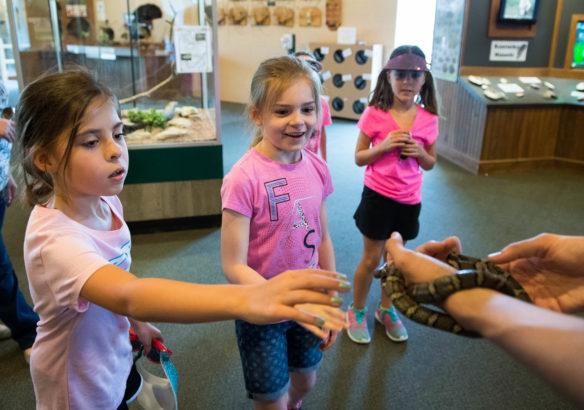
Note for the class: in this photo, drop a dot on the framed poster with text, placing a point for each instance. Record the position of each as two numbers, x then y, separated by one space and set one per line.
447 43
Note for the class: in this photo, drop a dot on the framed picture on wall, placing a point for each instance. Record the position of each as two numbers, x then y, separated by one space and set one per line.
518 11
578 48
574 58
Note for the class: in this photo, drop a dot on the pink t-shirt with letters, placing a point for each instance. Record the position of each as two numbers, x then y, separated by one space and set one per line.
82 356
400 180
283 202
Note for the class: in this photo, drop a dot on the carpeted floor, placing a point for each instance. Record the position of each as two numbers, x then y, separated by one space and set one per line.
433 370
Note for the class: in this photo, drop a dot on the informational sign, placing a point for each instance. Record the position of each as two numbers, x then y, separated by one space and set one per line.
100 10
192 45
447 44
502 50
347 35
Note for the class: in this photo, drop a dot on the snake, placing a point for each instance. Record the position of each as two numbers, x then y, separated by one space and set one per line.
471 273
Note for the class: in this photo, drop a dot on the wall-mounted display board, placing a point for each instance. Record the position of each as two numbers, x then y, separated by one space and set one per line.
447 45
349 74
285 13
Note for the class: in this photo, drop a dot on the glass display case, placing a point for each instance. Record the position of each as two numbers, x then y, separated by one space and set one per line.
160 59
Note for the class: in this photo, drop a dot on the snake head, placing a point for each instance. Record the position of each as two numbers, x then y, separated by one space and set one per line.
381 272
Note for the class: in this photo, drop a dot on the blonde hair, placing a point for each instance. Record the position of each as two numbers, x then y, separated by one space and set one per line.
53 104
273 77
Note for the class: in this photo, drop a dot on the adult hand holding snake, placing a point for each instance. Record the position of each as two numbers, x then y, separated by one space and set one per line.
547 342
549 267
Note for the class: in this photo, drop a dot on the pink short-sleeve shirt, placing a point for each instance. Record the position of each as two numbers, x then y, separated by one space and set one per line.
283 202
400 180
82 355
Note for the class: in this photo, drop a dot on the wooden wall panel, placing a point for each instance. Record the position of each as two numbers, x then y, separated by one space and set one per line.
167 200
520 132
462 119
570 143
495 138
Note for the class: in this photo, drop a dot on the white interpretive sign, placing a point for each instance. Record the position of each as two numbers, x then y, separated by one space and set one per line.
502 50
192 45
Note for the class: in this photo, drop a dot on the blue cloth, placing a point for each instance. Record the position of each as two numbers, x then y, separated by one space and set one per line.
268 353
5 148
14 311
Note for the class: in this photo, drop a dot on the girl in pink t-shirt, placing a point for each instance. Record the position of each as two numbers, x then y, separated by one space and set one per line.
318 142
275 219
397 138
77 254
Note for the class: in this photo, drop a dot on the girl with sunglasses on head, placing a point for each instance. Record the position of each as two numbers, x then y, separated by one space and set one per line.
397 138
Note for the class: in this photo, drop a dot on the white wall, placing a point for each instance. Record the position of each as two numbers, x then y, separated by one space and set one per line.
415 24
242 48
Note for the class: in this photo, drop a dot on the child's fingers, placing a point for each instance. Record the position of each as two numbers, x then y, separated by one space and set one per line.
332 318
316 297
311 322
315 279
318 331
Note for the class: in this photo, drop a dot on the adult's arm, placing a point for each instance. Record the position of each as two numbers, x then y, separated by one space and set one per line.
547 342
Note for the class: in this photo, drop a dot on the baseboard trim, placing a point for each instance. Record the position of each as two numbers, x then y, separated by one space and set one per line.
175 224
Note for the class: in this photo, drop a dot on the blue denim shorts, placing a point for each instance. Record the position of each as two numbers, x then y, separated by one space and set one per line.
268 353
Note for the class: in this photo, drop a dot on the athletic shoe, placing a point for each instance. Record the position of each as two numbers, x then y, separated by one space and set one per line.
27 355
357 330
297 407
5 332
394 328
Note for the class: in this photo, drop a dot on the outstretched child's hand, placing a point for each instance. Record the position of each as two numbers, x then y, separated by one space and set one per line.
329 340
334 320
280 298
145 332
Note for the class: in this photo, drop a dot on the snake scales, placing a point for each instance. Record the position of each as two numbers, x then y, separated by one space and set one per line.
472 273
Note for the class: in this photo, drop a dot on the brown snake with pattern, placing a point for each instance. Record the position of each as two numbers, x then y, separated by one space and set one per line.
472 273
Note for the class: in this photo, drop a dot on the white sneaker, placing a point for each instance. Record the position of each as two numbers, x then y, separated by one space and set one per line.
5 332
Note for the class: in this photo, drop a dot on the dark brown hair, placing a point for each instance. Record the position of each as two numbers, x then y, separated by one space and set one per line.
53 104
382 97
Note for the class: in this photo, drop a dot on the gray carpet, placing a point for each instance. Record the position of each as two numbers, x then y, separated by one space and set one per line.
433 370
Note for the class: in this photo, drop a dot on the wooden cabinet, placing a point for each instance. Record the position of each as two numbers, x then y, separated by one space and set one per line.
524 132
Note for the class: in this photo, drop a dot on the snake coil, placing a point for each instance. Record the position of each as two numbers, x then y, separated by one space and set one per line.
472 273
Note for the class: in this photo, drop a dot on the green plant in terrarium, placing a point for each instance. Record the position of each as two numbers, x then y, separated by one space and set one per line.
148 119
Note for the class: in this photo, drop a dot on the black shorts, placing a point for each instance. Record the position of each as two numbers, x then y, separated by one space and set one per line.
133 385
378 216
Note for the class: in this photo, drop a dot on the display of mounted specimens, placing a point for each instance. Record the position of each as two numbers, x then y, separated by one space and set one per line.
334 14
310 17
261 16
238 16
284 16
